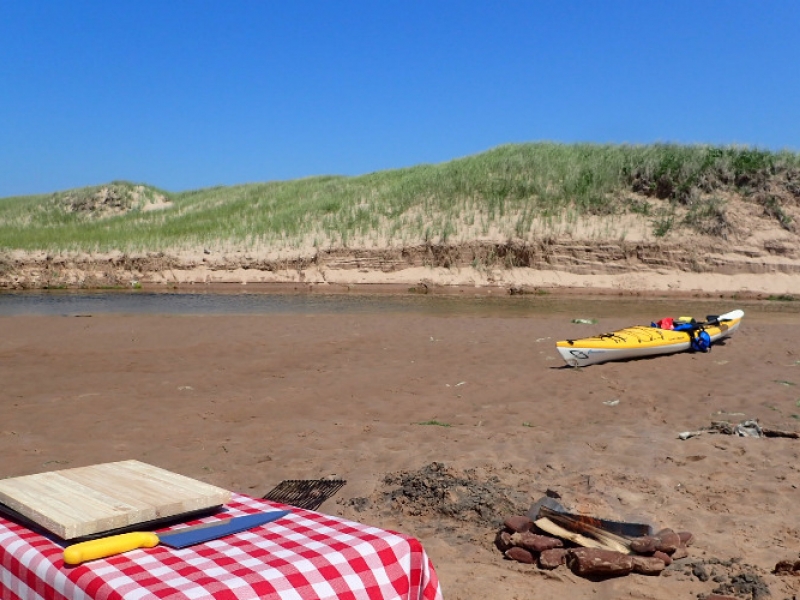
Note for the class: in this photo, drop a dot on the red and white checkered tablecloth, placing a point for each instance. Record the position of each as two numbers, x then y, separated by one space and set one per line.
302 556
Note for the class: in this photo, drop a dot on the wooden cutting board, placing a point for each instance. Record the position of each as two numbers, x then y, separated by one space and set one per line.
77 502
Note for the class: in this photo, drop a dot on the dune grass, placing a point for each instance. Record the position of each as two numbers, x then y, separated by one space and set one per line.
510 190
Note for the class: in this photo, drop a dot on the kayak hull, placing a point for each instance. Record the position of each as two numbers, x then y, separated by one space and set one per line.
639 341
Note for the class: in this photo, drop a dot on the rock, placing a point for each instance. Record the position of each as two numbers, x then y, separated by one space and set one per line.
518 523
503 541
648 565
668 541
553 558
788 567
598 562
519 555
718 597
663 556
645 544
680 552
700 572
687 538
535 542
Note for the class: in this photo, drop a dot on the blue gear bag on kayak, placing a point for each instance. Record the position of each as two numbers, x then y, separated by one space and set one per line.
701 342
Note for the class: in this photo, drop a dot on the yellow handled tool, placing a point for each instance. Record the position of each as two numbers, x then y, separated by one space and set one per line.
109 546
180 538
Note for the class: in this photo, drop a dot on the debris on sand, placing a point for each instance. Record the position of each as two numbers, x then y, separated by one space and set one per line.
747 428
788 567
746 584
437 490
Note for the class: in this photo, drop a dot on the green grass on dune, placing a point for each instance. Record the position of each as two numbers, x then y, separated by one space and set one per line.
510 187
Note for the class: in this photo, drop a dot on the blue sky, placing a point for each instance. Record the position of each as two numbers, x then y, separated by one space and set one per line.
187 94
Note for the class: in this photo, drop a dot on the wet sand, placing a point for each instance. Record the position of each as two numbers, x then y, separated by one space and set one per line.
248 401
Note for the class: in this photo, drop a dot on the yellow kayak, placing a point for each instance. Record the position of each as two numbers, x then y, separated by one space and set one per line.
641 340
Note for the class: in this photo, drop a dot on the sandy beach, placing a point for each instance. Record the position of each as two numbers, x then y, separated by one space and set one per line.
245 402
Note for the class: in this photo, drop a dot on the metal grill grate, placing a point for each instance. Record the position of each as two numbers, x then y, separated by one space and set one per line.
305 493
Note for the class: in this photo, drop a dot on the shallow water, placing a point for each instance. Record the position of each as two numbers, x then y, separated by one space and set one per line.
74 303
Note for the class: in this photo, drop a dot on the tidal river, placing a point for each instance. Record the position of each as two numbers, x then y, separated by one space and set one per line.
639 310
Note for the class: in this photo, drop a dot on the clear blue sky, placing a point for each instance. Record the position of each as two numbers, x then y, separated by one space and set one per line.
187 94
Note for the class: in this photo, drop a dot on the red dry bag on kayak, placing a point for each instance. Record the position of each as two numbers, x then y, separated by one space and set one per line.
665 323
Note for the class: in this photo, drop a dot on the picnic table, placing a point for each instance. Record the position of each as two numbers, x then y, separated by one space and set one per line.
302 556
